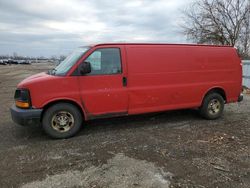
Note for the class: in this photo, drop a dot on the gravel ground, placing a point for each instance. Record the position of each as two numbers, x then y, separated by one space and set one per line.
168 149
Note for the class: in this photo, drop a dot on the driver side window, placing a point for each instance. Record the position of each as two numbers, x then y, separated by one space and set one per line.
105 61
95 60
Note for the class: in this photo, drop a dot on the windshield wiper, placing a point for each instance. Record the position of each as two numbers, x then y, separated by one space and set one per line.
52 71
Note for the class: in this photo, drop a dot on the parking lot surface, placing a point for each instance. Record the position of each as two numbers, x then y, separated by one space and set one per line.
167 149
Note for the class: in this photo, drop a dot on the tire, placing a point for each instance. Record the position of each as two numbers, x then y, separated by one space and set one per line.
62 120
212 106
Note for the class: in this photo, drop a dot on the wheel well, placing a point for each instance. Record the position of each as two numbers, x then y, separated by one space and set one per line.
219 91
62 101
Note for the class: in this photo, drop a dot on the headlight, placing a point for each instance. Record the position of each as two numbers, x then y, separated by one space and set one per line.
22 98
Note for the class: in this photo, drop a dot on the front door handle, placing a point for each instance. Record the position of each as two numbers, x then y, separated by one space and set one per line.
124 81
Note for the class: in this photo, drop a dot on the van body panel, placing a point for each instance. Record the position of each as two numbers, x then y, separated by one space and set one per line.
45 89
176 76
153 77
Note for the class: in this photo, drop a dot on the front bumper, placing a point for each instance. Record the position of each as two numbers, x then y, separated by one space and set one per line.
240 98
25 116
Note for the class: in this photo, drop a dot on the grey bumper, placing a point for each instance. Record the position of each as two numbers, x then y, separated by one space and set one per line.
25 116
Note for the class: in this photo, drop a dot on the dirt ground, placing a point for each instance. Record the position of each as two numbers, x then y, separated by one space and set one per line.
168 149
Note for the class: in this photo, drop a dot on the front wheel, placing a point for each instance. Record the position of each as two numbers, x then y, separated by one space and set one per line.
212 106
62 120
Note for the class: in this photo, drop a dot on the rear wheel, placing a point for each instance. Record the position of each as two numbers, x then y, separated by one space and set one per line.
212 106
62 120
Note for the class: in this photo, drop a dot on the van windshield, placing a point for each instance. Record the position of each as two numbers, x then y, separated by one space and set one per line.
65 65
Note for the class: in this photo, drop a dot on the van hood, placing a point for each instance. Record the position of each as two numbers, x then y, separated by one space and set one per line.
34 79
39 75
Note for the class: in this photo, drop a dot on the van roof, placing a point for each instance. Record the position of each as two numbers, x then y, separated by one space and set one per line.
206 45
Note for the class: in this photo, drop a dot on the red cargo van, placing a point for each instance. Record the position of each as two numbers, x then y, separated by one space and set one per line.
108 80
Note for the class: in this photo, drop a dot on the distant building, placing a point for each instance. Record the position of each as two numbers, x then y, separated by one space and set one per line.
246 73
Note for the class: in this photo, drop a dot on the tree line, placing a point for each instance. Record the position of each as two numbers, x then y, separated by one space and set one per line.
220 22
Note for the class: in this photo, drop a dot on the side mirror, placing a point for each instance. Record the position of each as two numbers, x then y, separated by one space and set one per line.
84 68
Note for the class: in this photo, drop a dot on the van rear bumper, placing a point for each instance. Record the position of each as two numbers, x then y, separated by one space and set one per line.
240 98
25 116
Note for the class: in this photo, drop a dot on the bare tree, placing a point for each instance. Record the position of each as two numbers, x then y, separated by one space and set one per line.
224 22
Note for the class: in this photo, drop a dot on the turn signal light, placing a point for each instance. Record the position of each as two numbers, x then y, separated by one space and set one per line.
21 104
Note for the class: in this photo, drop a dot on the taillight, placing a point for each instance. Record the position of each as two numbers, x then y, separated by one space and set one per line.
22 98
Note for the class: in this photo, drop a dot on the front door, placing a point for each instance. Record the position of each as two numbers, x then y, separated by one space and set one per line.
103 90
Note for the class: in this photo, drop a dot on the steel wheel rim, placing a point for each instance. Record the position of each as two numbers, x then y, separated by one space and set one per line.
62 121
214 106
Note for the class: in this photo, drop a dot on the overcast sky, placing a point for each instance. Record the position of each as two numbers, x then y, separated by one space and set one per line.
54 27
